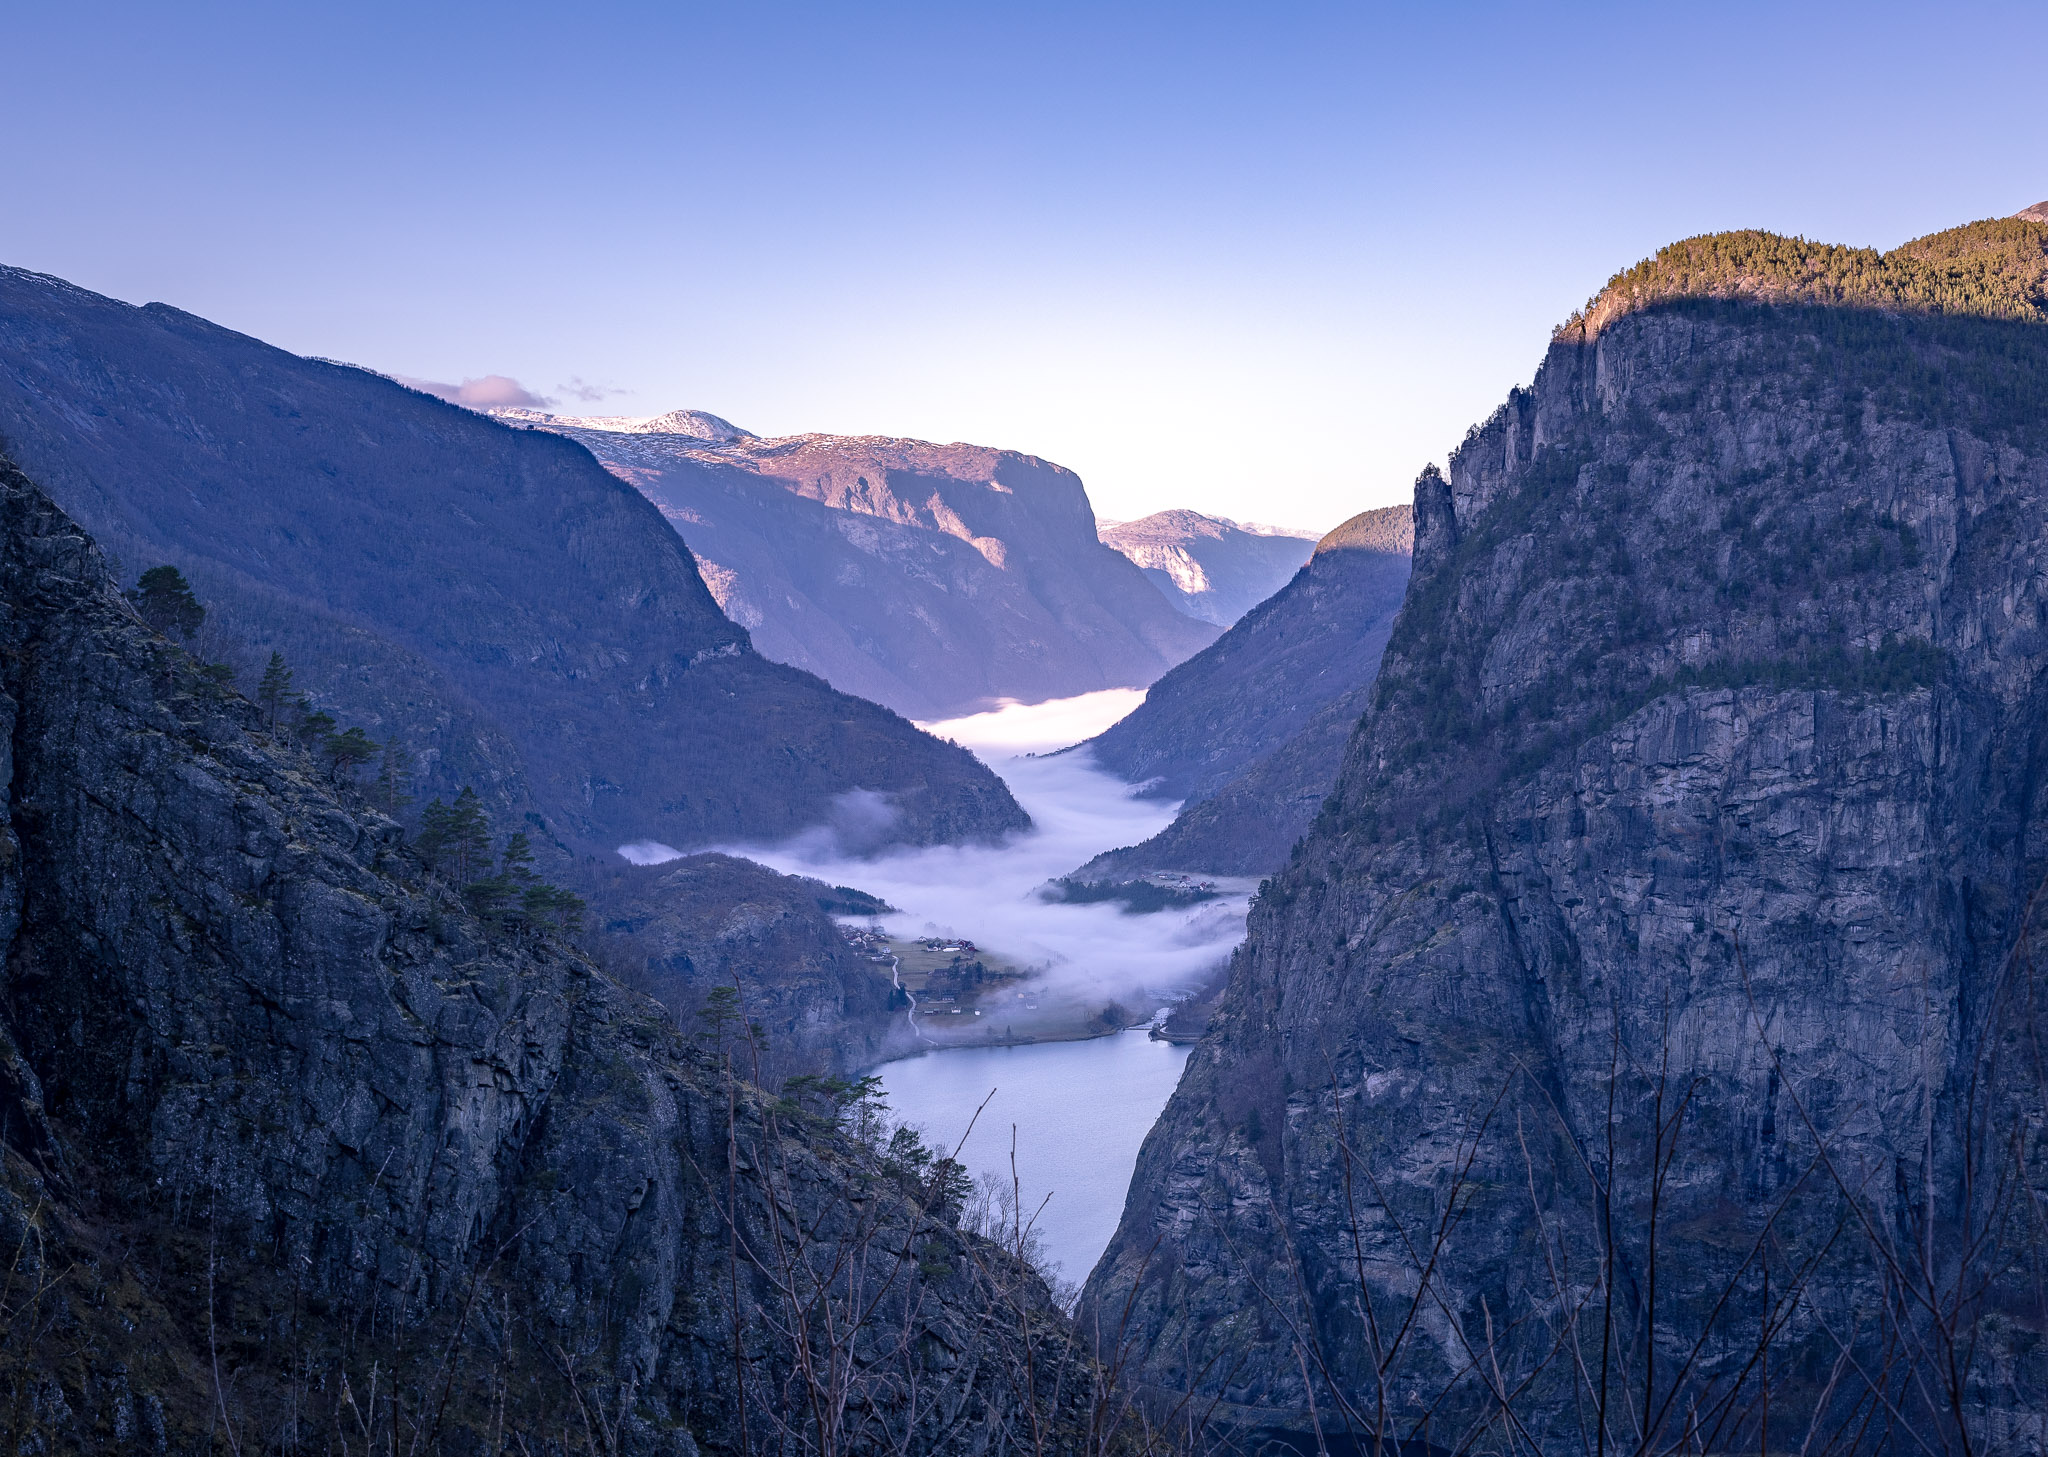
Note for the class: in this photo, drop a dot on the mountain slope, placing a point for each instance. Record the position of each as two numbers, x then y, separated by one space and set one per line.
295 1154
491 596
1649 979
1208 567
1250 730
933 578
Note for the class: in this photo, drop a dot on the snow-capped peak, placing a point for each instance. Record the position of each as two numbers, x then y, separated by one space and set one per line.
696 424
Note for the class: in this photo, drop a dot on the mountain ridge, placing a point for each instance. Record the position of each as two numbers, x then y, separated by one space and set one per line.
936 579
1250 731
1209 566
515 616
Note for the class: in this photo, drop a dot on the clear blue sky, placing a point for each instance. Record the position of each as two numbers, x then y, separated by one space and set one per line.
1263 260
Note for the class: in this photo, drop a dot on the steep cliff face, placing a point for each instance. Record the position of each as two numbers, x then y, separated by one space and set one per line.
1209 567
932 578
295 1153
491 597
1640 1029
1250 730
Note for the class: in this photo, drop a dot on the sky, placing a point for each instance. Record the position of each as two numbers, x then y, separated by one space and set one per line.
1262 261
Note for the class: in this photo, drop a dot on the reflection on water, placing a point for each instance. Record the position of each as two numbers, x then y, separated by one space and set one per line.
1080 1110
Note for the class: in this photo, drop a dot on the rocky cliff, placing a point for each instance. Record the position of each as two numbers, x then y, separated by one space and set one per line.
1250 730
492 598
708 921
1637 1050
1207 566
295 1155
933 578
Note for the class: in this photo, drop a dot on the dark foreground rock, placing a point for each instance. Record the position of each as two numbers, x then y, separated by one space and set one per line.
1647 1025
295 1155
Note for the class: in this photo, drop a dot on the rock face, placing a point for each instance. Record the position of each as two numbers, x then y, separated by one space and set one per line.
708 921
489 596
298 1154
932 578
1250 731
2038 213
1207 566
1652 991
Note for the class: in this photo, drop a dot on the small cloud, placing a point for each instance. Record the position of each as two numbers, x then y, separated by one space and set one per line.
490 392
649 852
582 389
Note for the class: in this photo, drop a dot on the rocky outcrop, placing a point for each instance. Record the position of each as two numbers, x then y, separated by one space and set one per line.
707 921
294 1154
490 597
1643 1025
1250 731
936 579
1207 566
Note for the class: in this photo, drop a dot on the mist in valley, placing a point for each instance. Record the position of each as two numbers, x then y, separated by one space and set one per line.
994 894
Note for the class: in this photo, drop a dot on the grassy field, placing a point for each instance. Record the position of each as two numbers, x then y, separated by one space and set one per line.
973 998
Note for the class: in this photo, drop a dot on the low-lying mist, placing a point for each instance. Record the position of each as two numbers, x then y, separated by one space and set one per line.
990 893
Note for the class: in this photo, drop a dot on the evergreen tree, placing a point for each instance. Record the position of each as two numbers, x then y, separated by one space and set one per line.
348 749
542 902
164 599
455 839
314 724
275 689
516 863
393 779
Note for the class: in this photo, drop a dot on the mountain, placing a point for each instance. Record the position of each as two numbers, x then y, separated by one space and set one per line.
1207 566
296 1154
936 579
1251 729
1646 1024
489 596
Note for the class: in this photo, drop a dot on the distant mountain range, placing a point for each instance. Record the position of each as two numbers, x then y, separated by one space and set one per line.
488 596
936 579
1209 566
1250 731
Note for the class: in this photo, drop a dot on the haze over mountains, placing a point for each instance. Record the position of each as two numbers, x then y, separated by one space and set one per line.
1208 566
936 579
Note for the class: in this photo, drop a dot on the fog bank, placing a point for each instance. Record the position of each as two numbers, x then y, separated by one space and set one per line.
990 894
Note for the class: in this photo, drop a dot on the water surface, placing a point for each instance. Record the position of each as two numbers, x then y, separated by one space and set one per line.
1079 1111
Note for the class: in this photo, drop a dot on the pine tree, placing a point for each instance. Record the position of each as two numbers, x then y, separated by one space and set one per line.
164 599
346 750
314 724
470 836
393 779
275 689
517 861
455 839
